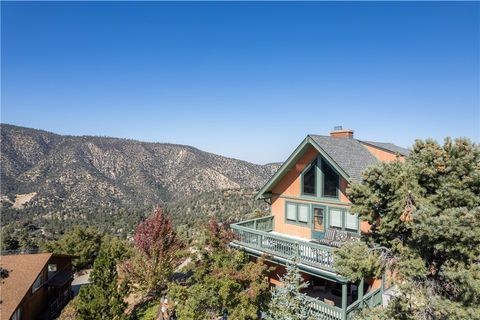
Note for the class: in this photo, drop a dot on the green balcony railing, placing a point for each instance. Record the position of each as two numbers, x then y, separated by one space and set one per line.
256 234
370 300
323 311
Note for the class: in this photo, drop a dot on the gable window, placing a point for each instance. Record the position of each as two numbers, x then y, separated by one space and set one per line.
309 180
17 315
38 283
297 212
343 220
330 181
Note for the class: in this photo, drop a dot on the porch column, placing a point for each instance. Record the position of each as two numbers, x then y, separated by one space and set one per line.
383 282
344 301
360 289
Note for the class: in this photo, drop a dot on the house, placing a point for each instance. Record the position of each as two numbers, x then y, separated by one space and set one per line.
310 217
37 286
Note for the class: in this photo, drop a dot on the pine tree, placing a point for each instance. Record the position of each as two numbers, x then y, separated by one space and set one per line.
82 242
288 303
104 297
425 213
222 279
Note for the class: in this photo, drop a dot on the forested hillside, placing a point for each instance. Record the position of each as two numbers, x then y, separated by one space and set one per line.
50 183
42 169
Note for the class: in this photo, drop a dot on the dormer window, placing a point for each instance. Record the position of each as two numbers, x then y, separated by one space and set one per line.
309 179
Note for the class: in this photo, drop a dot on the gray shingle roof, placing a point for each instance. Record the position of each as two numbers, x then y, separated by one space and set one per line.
348 154
389 147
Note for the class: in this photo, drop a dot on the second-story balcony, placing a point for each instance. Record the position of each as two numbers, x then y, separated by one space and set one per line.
335 298
257 234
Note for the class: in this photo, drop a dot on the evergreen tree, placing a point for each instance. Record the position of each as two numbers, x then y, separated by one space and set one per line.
223 279
104 297
9 241
81 242
425 213
288 303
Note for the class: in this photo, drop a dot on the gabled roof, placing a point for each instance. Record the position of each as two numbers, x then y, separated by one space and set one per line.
388 147
23 270
348 156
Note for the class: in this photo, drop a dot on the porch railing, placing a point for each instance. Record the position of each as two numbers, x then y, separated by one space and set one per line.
256 234
323 311
370 300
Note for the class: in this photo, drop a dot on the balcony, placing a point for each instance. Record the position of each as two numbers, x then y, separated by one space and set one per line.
256 234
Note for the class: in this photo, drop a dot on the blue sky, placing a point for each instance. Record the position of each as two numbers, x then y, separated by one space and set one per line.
246 80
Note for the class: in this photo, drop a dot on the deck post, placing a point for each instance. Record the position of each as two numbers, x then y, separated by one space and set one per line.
360 291
344 301
383 282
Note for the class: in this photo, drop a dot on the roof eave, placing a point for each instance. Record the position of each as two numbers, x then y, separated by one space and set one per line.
292 160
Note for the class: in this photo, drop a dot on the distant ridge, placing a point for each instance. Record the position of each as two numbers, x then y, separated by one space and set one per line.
82 171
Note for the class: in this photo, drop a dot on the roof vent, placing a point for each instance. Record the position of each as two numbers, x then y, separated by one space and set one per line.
339 132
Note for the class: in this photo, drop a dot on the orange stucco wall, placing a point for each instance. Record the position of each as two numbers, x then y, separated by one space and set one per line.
290 186
382 155
278 211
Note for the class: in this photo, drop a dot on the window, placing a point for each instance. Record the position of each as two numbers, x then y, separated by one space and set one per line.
297 212
52 267
291 211
303 213
343 220
330 181
351 221
37 284
17 315
327 181
336 218
318 214
309 185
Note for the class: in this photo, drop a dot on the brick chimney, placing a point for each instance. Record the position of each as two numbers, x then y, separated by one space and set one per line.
339 132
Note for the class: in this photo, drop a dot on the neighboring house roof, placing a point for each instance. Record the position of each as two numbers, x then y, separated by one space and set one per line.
23 270
388 147
348 156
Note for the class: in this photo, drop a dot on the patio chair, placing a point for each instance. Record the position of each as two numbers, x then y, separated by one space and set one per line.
340 238
329 237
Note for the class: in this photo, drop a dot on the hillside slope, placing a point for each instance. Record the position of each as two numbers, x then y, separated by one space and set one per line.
65 172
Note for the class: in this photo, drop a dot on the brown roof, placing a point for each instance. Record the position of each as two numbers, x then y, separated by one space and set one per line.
23 270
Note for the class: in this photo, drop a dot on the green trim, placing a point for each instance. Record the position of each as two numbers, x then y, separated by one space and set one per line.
308 167
265 192
325 222
337 187
328 158
292 159
296 221
312 199
283 261
345 211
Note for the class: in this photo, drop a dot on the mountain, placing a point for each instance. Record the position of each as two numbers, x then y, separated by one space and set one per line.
41 169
